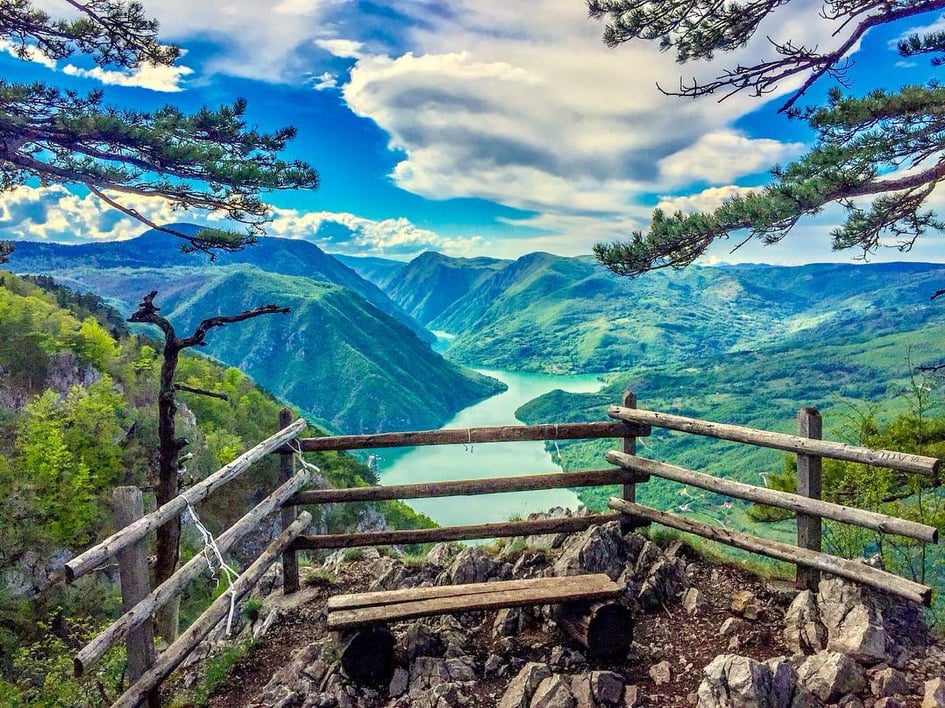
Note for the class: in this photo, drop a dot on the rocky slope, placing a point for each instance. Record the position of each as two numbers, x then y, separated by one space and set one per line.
705 635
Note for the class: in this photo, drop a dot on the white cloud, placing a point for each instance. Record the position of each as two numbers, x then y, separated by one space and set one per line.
725 155
324 81
345 48
31 54
706 200
148 76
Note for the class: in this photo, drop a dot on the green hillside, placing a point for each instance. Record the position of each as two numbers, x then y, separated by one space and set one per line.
347 363
78 416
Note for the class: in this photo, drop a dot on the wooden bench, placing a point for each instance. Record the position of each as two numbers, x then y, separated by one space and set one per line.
367 646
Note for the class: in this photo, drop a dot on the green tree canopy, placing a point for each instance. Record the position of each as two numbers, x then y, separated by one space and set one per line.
877 156
210 160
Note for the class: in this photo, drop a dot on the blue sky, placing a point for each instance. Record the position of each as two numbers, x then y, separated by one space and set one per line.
471 127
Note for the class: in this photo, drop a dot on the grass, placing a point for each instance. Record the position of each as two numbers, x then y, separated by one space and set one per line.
217 670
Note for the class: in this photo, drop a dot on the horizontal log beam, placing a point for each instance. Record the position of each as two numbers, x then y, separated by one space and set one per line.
503 529
468 487
458 436
851 570
98 554
172 657
901 461
172 587
783 500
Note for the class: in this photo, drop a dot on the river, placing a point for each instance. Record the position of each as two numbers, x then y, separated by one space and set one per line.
438 463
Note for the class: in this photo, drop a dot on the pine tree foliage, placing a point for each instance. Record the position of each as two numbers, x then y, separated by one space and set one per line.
209 160
878 156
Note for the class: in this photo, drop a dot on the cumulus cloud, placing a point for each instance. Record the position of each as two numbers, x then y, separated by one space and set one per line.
148 76
706 200
55 214
725 155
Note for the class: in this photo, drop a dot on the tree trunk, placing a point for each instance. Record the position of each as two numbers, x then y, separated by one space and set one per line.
605 629
367 655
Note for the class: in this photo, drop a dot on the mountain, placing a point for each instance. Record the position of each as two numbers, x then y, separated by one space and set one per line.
569 315
336 356
432 282
379 271
157 249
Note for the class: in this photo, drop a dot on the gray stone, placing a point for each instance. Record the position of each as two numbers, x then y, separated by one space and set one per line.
693 600
472 565
441 554
803 632
566 659
850 701
600 549
733 681
888 702
661 673
461 669
522 687
745 604
732 626
509 622
581 690
888 682
631 697
420 640
607 687
493 666
934 696
398 683
854 625
553 692
829 675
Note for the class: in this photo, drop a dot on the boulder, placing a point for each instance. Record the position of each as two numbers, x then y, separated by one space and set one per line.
693 601
472 565
854 624
888 682
607 687
829 675
553 692
600 549
521 688
733 681
934 696
745 604
803 632
661 673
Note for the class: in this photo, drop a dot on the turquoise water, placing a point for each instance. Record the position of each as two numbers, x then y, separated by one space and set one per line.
438 463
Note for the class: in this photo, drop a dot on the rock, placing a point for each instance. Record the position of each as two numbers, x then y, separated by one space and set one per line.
391 574
607 687
733 681
441 554
850 701
803 632
581 690
509 622
631 697
661 673
745 604
566 659
420 640
663 583
600 549
888 703
854 625
934 694
888 682
522 687
829 675
493 666
398 684
553 692
472 565
693 601
732 626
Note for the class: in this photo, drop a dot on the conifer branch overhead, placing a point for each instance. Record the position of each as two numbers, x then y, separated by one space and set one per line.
877 156
210 160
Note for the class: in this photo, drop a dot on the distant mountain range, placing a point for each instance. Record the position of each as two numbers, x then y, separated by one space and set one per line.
355 352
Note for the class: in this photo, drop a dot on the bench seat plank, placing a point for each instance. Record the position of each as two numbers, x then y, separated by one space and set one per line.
412 603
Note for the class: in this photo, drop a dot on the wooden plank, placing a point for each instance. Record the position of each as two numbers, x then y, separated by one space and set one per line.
810 485
389 597
172 657
851 570
504 529
902 461
290 559
458 436
539 595
467 487
135 586
170 588
782 500
628 491
98 554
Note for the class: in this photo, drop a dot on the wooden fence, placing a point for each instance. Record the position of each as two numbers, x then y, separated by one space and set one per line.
627 424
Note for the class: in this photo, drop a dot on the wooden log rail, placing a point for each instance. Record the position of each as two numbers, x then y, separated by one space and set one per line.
900 461
468 487
474 436
170 588
782 500
171 658
851 570
98 554
505 529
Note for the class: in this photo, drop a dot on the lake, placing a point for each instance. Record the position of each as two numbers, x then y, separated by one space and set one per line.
438 463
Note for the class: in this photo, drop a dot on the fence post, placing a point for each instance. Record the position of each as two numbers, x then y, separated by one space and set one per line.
135 586
628 492
290 560
809 484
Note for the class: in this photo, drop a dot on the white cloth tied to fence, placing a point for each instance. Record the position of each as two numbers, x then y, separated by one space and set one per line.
212 551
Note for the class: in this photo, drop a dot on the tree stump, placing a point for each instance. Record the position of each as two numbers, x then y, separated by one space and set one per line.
605 629
367 655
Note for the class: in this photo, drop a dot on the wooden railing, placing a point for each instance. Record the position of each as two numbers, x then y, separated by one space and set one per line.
140 603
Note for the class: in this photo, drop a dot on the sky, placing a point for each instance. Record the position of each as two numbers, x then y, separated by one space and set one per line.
474 127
